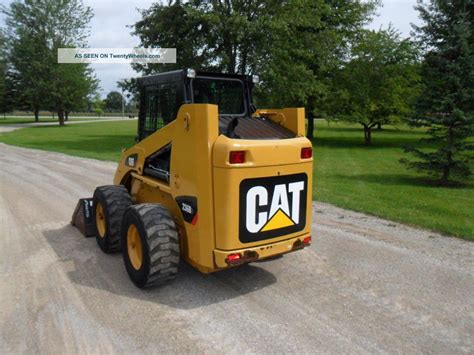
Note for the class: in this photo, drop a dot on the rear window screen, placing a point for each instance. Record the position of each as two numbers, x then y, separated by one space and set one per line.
227 94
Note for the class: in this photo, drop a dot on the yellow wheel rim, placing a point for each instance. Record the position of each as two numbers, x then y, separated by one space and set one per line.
100 220
134 247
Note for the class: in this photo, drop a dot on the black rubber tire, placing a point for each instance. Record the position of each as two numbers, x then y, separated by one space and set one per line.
115 200
160 244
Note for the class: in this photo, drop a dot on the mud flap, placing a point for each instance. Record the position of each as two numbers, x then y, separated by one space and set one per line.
82 217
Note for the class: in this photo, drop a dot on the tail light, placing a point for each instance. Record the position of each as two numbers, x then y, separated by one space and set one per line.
237 157
307 241
233 259
306 153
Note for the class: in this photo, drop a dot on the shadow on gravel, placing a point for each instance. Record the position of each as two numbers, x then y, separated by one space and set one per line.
191 289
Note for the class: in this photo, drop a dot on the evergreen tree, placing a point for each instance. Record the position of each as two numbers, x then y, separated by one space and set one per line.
446 103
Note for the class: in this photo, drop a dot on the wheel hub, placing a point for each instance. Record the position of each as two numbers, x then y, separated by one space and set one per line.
100 220
134 247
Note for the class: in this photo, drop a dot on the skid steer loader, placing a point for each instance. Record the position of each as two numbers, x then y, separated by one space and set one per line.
211 180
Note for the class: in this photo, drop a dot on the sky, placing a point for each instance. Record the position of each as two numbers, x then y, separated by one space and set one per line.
111 18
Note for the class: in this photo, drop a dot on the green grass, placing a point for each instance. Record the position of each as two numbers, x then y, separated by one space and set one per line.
346 174
99 140
370 179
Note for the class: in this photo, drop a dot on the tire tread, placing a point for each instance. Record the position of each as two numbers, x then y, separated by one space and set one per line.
162 238
117 200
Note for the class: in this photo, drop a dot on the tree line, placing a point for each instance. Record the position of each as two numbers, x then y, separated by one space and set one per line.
313 53
30 77
320 55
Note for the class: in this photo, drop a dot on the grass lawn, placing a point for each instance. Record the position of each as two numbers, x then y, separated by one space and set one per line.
370 179
346 173
98 140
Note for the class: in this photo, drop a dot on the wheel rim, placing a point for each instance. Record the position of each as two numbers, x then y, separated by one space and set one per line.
100 220
134 247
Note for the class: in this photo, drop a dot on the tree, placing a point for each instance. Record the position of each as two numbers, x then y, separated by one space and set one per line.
7 79
292 45
2 87
378 83
35 35
130 89
3 74
308 42
78 85
446 103
26 53
113 101
208 35
98 106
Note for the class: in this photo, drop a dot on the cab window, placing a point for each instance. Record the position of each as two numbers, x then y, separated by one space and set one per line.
162 103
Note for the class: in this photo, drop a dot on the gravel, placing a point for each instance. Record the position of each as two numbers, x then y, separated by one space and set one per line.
365 285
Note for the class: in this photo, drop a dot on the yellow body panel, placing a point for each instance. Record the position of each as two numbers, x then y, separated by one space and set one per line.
263 251
226 202
200 167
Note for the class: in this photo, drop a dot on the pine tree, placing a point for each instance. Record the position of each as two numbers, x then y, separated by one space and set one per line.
446 103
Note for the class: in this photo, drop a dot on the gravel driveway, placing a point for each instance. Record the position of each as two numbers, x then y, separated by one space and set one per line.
365 285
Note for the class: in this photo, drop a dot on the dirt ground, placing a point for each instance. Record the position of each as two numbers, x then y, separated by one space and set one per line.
365 284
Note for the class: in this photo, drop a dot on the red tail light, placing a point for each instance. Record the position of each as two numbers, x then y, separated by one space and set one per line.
233 259
237 157
306 153
307 240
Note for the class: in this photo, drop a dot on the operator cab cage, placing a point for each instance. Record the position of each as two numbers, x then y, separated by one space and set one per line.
161 96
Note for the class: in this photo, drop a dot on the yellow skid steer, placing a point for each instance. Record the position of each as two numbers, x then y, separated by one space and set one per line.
211 180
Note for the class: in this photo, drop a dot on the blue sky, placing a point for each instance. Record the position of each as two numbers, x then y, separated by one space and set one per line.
111 18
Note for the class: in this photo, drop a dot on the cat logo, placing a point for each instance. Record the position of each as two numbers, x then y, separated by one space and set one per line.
272 207
131 160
